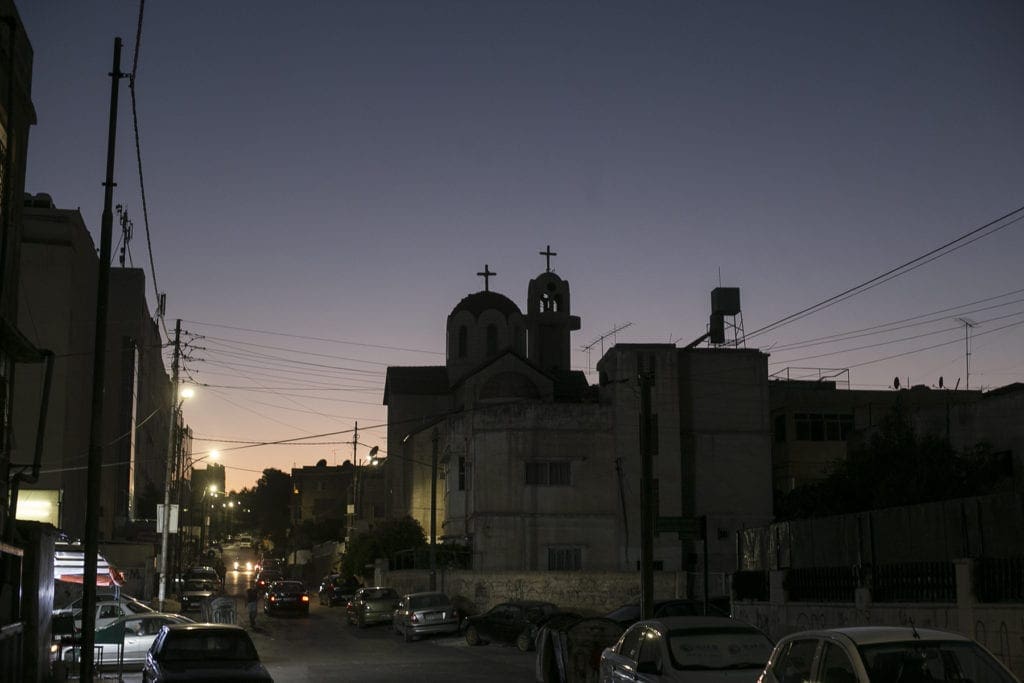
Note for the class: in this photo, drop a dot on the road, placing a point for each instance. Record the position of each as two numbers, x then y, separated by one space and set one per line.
323 647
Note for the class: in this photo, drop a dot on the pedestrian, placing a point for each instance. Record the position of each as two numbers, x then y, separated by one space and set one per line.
252 596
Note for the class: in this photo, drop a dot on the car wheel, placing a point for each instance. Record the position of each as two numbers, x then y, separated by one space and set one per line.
524 642
472 636
361 621
409 637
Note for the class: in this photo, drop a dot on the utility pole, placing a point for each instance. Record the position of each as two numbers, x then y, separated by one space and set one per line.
355 485
172 424
646 501
968 324
433 513
94 479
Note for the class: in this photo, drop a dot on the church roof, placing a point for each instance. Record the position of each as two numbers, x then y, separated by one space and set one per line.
484 301
430 380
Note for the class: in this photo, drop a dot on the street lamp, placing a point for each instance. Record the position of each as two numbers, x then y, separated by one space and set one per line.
176 402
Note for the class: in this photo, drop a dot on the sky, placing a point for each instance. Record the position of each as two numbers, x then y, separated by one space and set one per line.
323 181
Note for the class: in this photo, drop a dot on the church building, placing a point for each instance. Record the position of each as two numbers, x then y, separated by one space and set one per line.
518 457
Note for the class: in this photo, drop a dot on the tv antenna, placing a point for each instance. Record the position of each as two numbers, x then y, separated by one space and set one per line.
600 340
968 324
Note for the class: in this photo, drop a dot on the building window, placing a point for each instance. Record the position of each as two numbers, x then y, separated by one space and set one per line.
822 426
463 341
563 558
462 474
780 429
492 340
548 474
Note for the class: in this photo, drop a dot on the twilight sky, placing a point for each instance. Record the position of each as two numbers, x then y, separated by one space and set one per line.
342 170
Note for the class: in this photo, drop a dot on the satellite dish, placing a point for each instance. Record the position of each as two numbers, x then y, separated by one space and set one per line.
895 382
373 451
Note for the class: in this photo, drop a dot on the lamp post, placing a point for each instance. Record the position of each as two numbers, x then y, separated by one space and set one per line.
185 393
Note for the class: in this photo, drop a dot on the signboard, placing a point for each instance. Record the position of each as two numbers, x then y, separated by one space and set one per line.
173 527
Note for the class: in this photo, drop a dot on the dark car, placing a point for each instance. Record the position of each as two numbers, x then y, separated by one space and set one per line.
204 573
506 622
334 590
195 592
373 605
203 652
267 577
286 596
627 615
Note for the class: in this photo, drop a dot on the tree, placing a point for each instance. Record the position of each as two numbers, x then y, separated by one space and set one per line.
270 505
896 466
384 540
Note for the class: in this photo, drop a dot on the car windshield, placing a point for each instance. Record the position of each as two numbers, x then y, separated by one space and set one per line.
197 585
380 594
289 586
207 646
706 649
931 661
136 606
428 601
625 612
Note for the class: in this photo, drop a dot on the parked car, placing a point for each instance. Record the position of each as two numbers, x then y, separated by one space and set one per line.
372 605
334 590
882 654
108 611
708 649
284 596
204 573
195 591
137 631
419 614
203 652
267 577
507 621
629 614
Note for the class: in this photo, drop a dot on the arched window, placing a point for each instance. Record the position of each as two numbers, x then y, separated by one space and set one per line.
463 341
492 340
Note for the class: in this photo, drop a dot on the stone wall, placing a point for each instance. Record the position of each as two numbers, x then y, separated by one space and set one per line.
586 592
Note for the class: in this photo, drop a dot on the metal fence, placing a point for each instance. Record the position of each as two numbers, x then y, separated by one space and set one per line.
914 582
821 584
999 579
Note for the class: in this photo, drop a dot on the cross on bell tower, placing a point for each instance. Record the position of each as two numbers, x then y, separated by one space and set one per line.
487 274
547 254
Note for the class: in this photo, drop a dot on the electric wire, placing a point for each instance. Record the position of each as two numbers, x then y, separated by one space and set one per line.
906 267
322 339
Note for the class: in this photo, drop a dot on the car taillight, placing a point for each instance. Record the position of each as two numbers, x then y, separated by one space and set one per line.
273 598
305 598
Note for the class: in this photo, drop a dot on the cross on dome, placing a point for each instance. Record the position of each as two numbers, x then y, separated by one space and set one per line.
547 254
487 274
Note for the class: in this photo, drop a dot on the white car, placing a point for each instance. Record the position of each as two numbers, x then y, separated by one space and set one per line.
882 654
692 649
137 632
110 610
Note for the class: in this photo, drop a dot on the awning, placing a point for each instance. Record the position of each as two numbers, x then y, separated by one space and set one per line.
69 565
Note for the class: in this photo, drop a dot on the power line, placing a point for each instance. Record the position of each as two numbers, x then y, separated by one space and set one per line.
321 339
928 257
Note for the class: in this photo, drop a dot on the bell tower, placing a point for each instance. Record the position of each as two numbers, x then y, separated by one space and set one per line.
549 320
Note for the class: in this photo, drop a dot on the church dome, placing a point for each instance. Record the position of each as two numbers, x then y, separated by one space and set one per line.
477 303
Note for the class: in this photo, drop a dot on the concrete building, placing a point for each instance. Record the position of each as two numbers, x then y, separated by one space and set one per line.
321 492
57 308
518 457
813 421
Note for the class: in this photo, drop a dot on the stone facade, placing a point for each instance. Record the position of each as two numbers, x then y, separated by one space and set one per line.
535 469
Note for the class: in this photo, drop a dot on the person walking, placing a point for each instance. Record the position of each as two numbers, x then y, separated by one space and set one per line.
252 596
